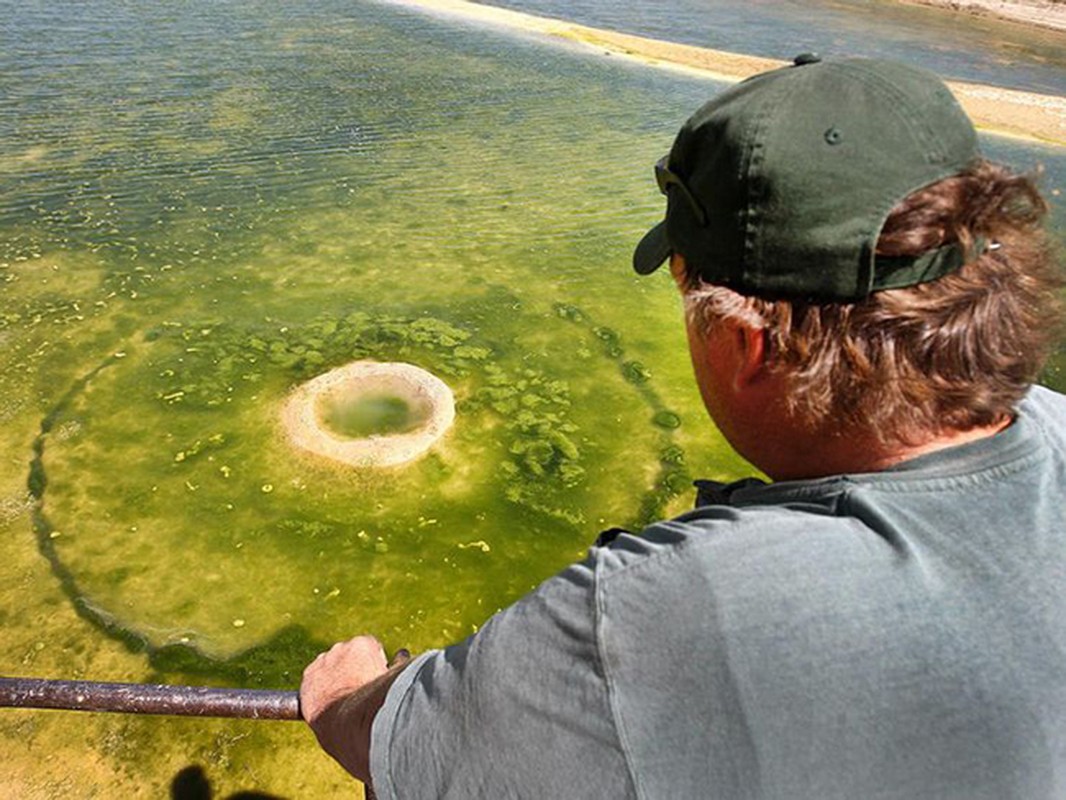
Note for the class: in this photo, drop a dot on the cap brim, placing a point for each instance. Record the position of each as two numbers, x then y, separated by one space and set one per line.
652 250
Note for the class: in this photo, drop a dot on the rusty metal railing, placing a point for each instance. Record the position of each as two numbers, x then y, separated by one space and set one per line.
141 698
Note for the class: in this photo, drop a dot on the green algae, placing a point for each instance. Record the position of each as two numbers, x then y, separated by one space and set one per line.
666 419
635 372
252 507
200 276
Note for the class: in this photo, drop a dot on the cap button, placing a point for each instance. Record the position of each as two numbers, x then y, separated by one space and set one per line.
806 58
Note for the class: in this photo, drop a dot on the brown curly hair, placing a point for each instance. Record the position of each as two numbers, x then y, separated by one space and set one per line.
956 353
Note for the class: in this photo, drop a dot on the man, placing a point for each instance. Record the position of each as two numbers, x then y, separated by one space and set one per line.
868 303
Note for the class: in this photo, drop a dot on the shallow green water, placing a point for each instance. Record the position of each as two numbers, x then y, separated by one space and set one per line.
237 207
370 415
204 206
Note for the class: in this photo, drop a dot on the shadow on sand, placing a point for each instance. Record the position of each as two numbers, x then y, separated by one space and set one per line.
192 784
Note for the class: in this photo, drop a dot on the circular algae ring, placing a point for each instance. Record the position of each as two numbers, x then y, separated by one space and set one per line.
370 413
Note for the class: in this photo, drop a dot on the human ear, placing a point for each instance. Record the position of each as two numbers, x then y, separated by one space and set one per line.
753 351
677 269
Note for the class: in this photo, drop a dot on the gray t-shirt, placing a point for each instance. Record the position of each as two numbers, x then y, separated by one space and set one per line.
899 634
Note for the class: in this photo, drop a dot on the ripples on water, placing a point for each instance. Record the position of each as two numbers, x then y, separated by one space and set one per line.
202 208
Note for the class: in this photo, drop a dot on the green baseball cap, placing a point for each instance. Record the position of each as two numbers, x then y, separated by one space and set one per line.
780 186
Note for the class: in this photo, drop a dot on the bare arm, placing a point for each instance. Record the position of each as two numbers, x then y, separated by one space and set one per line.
341 692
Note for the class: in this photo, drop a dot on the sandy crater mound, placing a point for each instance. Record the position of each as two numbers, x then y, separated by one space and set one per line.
369 413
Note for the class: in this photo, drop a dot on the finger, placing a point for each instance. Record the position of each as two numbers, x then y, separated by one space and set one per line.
355 654
365 647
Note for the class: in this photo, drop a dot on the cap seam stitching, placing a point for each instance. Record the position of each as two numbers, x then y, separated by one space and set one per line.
755 156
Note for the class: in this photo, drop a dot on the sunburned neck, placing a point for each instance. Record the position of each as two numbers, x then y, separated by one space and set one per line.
854 454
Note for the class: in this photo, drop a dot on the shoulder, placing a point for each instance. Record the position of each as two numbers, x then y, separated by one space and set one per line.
1046 407
770 532
744 566
1043 411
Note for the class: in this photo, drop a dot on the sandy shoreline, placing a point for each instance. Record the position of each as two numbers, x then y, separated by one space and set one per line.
1040 13
995 110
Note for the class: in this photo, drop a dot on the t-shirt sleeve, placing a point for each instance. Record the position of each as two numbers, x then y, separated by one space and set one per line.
519 709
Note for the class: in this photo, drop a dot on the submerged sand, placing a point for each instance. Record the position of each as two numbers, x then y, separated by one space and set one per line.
306 429
1009 112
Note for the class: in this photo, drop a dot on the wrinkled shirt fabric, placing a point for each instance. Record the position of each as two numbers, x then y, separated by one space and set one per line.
899 634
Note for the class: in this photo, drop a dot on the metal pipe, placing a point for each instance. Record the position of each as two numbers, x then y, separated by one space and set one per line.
142 698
